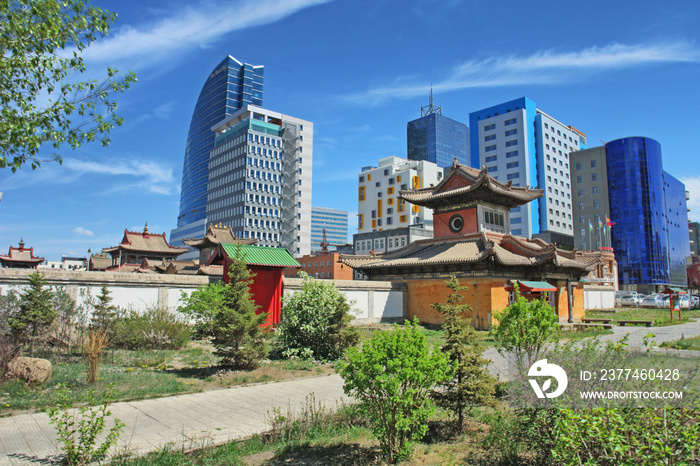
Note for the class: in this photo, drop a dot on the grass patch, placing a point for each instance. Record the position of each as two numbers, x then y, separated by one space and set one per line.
432 334
141 374
580 334
661 317
684 344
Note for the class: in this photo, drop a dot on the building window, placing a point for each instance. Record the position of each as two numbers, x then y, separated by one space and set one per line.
592 163
362 193
594 177
512 121
490 127
511 132
512 154
595 189
512 165
492 169
595 204
580 192
490 148
580 206
513 176
512 143
490 137
579 179
491 158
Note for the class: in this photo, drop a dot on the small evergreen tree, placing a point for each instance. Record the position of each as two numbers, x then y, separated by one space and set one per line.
36 312
236 327
316 322
472 384
103 312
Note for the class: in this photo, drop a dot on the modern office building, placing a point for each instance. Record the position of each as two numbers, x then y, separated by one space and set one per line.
521 144
260 178
335 224
694 234
379 207
625 181
229 87
436 138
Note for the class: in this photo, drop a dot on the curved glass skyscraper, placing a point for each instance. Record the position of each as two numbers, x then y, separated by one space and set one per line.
229 87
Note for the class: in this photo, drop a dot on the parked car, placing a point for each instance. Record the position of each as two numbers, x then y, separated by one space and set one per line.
685 302
694 301
632 299
619 295
653 300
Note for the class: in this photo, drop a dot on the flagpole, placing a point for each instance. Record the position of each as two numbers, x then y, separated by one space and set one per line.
590 234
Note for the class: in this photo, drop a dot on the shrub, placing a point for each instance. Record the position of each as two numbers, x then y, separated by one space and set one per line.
316 322
66 318
201 306
154 329
236 326
9 307
471 383
94 345
79 429
523 329
391 377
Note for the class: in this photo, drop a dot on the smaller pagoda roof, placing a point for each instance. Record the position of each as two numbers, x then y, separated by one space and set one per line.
529 286
217 234
145 242
257 255
480 186
21 255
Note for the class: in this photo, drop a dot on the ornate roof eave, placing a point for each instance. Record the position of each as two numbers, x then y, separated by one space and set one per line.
482 187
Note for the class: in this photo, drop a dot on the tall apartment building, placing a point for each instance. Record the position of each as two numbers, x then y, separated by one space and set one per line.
260 178
384 219
521 144
229 87
334 222
625 181
694 236
436 138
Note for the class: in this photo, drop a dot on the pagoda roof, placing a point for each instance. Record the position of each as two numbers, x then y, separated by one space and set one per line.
217 234
21 255
145 242
257 255
464 184
479 248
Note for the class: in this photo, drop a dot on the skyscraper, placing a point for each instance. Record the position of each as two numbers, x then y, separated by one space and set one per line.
436 138
521 144
334 222
625 181
229 87
260 178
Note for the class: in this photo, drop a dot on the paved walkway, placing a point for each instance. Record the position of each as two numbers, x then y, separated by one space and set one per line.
218 416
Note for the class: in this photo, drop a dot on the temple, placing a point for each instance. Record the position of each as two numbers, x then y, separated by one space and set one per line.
141 251
21 257
472 240
208 245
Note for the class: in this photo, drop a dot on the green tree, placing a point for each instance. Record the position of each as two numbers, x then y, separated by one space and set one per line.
316 322
392 377
523 329
236 327
36 312
471 383
103 312
201 307
66 316
43 102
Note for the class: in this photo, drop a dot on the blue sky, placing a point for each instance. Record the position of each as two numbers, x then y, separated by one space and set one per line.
360 70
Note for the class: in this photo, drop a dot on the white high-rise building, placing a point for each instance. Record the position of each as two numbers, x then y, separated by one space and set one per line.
386 222
519 143
260 178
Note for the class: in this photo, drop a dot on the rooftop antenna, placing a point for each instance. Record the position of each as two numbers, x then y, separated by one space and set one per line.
430 109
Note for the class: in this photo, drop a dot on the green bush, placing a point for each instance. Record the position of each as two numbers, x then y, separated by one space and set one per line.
523 329
391 377
201 306
154 329
315 322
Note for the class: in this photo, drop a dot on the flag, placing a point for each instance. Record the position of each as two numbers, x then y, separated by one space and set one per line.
590 225
600 224
608 222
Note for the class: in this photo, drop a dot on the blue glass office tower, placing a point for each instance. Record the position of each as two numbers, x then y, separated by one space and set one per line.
436 138
648 205
229 87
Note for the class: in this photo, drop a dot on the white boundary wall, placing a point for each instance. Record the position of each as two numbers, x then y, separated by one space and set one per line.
370 301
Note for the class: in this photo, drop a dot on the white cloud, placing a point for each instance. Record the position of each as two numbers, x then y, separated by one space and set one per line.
82 231
152 176
693 186
188 28
546 67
